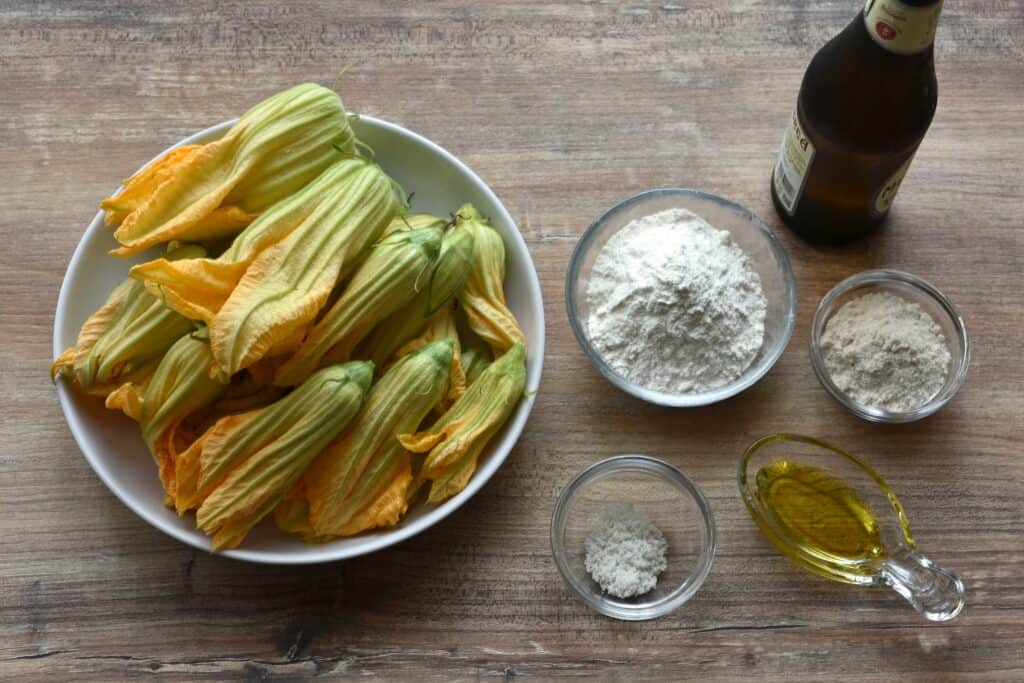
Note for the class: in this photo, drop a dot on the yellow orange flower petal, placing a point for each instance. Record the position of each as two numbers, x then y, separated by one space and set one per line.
128 399
140 186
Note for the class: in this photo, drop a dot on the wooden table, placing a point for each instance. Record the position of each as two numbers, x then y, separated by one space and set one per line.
563 108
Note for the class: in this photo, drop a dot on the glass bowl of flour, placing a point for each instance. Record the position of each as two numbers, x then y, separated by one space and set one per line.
680 297
633 537
889 346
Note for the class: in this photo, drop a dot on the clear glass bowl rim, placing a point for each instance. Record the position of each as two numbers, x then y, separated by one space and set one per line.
684 591
885 275
660 397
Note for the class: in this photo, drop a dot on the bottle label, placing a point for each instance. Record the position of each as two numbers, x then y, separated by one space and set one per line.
791 169
899 27
887 193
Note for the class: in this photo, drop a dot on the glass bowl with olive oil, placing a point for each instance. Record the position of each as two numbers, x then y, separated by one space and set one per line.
829 512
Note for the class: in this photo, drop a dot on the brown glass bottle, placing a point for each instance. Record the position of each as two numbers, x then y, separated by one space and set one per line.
866 101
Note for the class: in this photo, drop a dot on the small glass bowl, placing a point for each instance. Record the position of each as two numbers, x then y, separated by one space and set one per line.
766 254
916 290
672 502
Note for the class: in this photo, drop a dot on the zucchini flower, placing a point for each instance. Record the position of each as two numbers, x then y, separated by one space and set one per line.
351 485
411 320
198 287
260 454
255 486
483 295
122 342
180 386
456 440
206 192
385 281
288 283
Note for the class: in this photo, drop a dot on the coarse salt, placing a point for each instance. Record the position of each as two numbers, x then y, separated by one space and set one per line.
625 553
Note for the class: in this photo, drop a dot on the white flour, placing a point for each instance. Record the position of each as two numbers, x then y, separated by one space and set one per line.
626 552
675 304
885 352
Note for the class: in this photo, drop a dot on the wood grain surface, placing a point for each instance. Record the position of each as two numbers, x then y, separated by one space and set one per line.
563 108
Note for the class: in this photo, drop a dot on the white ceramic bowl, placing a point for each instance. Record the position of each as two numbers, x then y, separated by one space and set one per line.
112 443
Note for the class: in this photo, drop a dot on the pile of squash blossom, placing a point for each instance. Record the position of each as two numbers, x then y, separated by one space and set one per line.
303 349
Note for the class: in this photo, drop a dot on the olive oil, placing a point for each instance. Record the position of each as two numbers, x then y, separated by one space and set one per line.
831 513
829 528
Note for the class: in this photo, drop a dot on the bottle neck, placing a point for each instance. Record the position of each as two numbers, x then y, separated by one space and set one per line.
904 27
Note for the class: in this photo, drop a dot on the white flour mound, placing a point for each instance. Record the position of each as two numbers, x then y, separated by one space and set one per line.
675 304
626 552
885 352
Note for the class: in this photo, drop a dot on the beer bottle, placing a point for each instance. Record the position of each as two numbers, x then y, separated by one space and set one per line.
865 103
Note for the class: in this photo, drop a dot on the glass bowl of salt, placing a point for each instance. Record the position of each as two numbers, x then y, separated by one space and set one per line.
633 537
680 297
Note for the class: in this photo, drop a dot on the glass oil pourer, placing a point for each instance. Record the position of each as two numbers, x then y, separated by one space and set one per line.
828 511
